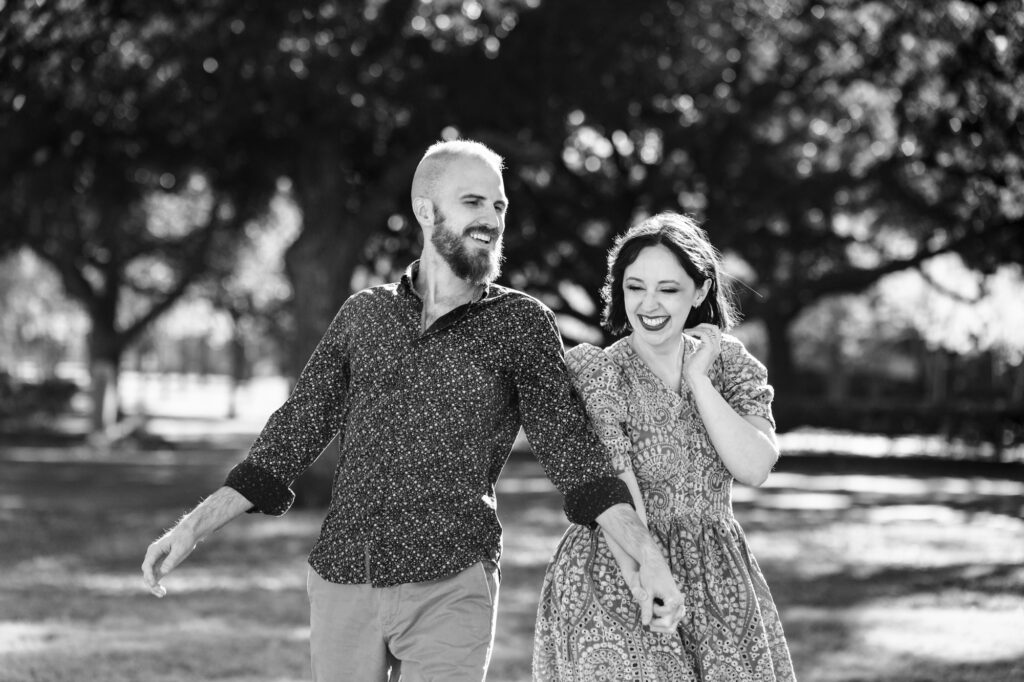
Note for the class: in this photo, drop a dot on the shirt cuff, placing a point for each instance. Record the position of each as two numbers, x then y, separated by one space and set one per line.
257 485
584 504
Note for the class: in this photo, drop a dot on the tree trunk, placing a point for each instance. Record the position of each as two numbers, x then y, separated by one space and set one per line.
937 364
318 285
105 352
320 263
838 388
1015 375
239 363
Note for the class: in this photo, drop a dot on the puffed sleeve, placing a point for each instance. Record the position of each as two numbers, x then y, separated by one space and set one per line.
596 379
743 381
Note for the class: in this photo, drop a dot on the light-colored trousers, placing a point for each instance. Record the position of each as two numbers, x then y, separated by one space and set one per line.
434 630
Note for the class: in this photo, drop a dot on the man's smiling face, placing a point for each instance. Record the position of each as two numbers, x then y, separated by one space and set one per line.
469 220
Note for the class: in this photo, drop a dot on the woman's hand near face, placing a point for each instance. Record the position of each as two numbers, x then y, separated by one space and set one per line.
699 364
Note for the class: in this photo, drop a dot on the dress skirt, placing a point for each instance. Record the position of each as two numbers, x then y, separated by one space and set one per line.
589 629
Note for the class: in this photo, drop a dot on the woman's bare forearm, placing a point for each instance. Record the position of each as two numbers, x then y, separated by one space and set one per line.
749 451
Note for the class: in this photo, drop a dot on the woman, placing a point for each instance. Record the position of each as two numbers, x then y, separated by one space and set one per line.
684 410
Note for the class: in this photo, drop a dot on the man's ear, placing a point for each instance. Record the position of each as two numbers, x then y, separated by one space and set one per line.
423 209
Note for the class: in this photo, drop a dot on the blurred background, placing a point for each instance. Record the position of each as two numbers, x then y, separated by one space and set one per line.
189 190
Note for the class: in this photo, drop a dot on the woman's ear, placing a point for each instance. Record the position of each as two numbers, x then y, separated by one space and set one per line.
702 293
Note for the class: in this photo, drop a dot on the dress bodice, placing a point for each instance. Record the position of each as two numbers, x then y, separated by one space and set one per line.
588 623
659 434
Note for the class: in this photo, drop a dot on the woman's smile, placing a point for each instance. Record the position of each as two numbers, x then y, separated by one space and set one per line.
653 323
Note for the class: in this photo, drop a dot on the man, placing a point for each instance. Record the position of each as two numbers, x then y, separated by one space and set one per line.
428 381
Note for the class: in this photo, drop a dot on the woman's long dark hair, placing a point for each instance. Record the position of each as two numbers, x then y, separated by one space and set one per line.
691 246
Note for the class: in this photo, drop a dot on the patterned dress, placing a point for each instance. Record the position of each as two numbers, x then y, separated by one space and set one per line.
588 626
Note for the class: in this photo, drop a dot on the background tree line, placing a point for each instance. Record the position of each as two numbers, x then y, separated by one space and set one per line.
824 145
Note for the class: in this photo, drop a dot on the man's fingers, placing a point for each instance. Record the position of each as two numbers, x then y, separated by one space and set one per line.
162 557
667 615
663 625
641 596
670 607
149 568
646 602
171 561
151 573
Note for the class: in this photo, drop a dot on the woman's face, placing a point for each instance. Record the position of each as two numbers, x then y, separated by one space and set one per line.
658 296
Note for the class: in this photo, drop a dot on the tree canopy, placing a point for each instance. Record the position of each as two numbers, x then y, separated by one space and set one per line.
823 144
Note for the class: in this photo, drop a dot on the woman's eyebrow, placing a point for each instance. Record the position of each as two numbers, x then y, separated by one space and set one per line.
664 281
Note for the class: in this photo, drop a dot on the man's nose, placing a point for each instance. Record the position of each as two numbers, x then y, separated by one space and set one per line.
491 219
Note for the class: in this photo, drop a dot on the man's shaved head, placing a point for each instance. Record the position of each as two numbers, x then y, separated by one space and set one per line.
437 158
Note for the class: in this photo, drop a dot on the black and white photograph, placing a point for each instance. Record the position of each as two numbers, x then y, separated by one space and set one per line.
512 340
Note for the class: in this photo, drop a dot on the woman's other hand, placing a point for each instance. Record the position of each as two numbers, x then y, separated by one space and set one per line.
699 363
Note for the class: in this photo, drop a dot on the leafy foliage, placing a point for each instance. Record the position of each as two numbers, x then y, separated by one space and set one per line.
823 144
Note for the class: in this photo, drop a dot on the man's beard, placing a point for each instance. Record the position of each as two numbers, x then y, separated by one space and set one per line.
477 268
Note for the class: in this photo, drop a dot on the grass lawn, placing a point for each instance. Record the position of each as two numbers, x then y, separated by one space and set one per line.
882 572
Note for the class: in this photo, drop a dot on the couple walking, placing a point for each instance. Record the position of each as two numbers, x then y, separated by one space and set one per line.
428 381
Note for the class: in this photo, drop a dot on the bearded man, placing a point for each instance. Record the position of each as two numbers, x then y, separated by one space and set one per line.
427 380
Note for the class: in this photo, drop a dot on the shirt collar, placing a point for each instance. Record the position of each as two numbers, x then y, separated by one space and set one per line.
408 282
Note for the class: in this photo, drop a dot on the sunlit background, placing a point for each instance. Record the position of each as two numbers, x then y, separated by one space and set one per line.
188 191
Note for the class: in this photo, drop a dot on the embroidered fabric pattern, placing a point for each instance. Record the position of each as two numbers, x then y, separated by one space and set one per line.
588 626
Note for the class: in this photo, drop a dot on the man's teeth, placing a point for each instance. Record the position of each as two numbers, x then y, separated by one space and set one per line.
486 239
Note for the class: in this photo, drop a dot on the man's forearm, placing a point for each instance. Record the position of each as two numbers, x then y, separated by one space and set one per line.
654 588
623 525
215 511
166 552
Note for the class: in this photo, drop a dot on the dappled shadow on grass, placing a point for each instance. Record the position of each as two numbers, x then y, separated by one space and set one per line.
880 574
836 462
893 643
128 651
855 561
237 613
896 578
961 585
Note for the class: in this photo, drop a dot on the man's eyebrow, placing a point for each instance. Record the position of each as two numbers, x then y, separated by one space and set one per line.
481 197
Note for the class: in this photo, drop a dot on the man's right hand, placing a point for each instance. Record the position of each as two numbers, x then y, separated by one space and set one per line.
164 555
661 603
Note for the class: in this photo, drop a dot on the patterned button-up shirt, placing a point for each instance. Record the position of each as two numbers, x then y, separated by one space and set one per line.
427 421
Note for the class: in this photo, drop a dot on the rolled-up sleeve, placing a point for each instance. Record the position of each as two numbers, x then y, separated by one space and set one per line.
301 428
557 427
